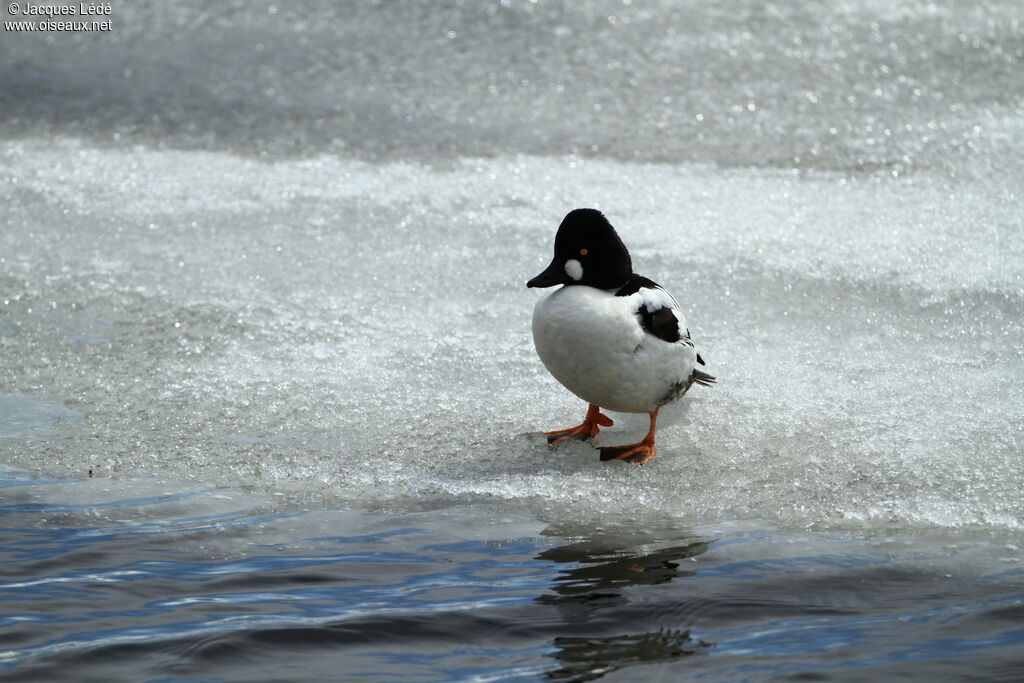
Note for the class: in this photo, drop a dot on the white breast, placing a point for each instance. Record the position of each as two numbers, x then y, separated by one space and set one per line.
591 341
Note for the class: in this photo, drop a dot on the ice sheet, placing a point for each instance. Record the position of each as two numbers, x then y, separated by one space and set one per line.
289 248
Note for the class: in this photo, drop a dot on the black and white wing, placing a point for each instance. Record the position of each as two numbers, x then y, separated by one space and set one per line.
659 315
656 309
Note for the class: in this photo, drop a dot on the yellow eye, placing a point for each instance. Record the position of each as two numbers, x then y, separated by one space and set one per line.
583 252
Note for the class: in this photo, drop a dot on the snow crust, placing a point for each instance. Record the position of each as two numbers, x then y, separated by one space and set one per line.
290 249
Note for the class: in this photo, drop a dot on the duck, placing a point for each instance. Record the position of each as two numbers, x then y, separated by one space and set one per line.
614 338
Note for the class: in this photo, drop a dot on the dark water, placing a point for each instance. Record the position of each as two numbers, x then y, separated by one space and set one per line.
156 581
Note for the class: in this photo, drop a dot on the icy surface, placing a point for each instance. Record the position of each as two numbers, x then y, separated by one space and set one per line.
23 417
289 248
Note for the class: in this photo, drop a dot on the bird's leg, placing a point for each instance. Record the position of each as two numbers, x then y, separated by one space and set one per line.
587 430
636 453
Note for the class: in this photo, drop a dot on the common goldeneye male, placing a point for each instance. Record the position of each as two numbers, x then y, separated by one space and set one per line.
612 337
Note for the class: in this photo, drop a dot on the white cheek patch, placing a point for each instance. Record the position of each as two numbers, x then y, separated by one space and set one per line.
573 269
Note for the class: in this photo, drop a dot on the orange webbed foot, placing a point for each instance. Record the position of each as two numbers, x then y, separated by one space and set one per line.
636 453
586 431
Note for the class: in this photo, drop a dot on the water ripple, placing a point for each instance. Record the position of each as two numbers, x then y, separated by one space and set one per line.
228 585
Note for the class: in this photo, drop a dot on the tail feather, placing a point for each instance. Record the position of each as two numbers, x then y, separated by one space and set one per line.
702 378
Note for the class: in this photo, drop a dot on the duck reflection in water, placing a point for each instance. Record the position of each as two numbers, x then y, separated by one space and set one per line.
604 632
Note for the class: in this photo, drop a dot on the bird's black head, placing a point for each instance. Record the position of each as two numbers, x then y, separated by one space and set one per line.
588 251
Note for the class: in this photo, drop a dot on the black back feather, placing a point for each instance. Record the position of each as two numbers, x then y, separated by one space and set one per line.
663 323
